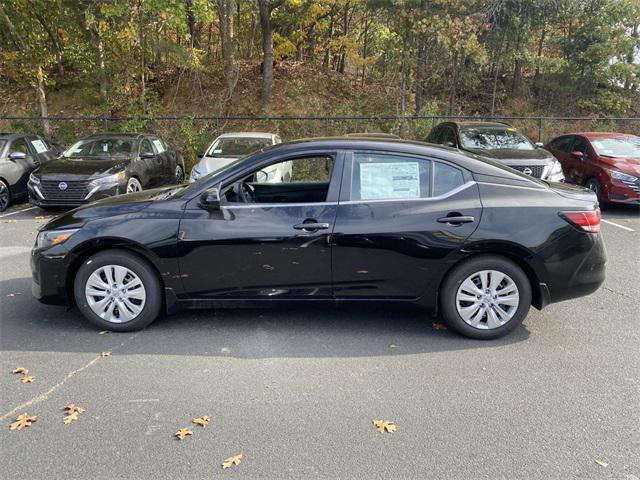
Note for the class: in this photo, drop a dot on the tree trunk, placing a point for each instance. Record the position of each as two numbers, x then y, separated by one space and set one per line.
194 29
267 52
102 71
327 50
225 13
42 99
421 62
454 84
536 76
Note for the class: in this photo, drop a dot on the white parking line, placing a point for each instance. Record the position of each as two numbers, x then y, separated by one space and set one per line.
17 211
617 225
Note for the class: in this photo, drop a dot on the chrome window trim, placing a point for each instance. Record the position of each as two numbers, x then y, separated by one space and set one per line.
272 205
450 193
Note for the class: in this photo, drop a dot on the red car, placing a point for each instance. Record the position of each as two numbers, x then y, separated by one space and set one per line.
606 163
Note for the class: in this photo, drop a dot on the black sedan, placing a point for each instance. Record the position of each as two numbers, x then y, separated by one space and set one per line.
500 142
359 220
105 165
20 155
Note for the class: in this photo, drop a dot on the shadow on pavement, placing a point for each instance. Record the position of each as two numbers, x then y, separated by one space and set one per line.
280 332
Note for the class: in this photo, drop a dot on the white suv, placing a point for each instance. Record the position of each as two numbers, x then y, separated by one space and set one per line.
229 147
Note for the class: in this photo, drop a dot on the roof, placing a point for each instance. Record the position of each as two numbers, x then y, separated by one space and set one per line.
247 135
602 134
7 136
114 134
475 124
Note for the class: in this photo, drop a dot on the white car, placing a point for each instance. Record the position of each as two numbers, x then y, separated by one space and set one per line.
229 147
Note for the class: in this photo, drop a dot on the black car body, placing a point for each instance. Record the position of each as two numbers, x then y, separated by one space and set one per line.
21 154
376 221
500 142
105 165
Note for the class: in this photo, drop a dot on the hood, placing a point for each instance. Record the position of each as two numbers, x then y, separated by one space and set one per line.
66 167
109 207
539 156
630 166
209 164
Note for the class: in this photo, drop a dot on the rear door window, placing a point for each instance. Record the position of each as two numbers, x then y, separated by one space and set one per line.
446 178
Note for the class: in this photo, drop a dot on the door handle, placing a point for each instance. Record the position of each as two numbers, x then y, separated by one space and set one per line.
311 226
456 219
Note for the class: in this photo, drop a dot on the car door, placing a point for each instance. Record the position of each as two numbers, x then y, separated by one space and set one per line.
20 168
150 166
274 247
167 163
561 149
398 217
580 166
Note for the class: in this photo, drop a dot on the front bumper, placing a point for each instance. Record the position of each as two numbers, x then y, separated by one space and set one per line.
49 270
620 192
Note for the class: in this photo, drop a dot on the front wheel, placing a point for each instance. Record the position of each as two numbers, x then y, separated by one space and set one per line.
134 185
485 297
179 174
593 185
118 291
5 196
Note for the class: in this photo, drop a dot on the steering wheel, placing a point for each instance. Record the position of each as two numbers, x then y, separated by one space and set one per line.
246 192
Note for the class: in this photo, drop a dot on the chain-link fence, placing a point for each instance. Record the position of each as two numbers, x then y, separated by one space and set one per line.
192 134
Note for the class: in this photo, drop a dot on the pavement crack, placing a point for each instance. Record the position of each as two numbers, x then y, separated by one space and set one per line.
617 293
44 396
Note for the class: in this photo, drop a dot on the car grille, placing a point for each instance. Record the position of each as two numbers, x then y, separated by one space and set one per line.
75 192
635 185
536 170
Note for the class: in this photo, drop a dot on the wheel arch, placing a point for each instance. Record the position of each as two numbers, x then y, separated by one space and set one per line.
87 249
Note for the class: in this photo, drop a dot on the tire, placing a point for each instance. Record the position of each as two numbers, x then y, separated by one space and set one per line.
134 185
593 185
5 196
495 319
179 174
147 301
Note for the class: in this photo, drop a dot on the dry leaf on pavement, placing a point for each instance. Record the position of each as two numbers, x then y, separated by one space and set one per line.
182 433
393 345
229 462
20 370
27 378
103 332
72 417
105 354
72 408
602 464
203 421
23 421
382 425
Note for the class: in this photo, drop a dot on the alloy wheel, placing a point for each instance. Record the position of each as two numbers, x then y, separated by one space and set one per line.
115 293
487 299
179 174
4 196
134 185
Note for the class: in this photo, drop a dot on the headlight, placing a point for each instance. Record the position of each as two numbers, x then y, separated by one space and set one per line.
50 238
115 178
622 176
34 179
195 174
555 173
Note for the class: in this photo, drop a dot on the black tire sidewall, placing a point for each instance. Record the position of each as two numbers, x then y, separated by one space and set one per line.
140 267
598 190
8 190
463 271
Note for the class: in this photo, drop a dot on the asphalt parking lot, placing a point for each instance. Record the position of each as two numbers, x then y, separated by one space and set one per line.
296 390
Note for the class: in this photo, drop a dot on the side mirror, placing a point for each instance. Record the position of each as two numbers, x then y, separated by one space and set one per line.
577 155
539 144
261 176
147 154
210 200
449 143
17 156
201 155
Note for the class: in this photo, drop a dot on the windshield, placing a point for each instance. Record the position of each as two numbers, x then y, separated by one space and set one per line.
100 148
237 147
494 138
620 147
193 186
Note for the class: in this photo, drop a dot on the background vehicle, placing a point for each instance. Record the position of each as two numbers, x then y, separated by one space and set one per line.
229 147
500 142
104 165
606 163
387 221
19 156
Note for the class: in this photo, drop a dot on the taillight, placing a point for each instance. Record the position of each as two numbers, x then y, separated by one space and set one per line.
587 221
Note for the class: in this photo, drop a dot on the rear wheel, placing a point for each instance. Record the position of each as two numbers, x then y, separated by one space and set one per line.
5 196
485 297
118 291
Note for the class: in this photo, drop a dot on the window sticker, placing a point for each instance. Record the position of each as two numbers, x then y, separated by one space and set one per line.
381 181
105 147
218 150
158 144
39 145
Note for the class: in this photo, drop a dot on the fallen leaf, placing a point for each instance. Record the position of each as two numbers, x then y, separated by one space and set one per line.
20 370
27 378
393 345
439 326
182 433
23 420
204 421
103 332
105 354
602 464
72 417
229 462
71 408
225 350
382 425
